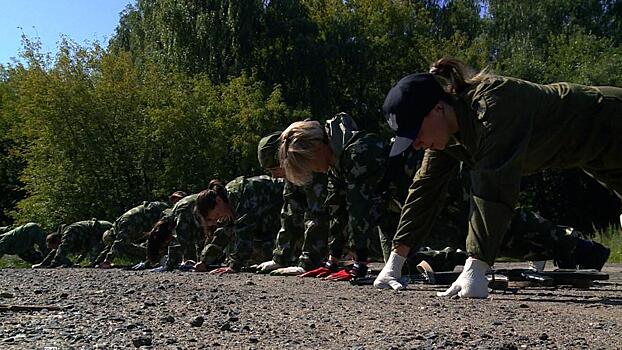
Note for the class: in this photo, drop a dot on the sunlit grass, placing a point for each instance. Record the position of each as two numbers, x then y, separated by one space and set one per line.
13 261
612 238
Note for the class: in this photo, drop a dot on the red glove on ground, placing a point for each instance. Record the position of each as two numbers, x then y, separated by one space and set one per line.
221 271
341 275
319 272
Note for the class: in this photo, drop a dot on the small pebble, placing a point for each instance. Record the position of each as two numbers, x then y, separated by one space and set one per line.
141 341
197 321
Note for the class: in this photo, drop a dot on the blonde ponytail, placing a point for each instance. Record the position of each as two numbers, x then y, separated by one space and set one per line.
456 75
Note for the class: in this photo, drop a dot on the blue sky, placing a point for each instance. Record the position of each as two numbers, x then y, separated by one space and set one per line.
80 20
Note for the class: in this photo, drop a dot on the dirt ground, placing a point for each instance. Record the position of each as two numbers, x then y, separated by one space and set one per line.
176 310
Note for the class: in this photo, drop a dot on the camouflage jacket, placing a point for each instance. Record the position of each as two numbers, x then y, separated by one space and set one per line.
23 238
355 180
256 203
82 238
133 225
510 127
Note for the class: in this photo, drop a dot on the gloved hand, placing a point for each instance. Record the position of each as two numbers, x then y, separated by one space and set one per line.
140 266
288 271
391 274
357 270
221 271
341 275
186 266
319 272
267 266
471 283
328 268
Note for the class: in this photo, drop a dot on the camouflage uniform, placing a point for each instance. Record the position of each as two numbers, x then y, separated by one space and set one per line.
510 127
355 197
304 218
532 237
130 229
256 203
83 238
188 235
21 241
304 224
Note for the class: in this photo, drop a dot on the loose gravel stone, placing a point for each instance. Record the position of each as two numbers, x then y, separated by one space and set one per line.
197 321
168 318
281 312
141 341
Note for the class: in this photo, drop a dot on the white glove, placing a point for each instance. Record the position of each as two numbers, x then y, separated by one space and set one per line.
391 274
620 220
267 266
472 282
288 271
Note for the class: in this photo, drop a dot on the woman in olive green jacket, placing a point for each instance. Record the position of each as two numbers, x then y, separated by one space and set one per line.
502 128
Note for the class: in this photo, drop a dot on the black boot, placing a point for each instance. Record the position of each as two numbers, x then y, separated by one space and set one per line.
591 255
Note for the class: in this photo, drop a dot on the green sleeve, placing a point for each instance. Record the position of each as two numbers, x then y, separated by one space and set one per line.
214 249
425 197
245 226
363 164
292 223
495 176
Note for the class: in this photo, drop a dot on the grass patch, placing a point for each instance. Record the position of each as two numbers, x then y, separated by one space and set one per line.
13 262
612 238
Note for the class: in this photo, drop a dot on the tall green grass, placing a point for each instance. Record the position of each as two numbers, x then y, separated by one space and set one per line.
612 238
13 261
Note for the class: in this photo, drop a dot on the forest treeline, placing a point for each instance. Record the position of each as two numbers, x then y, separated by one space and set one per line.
185 88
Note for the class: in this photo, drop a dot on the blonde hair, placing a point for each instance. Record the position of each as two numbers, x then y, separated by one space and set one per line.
456 75
299 146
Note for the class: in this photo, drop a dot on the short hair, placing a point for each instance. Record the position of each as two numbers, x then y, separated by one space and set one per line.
299 144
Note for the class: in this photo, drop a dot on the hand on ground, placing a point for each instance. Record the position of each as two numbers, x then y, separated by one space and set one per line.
221 271
288 271
267 266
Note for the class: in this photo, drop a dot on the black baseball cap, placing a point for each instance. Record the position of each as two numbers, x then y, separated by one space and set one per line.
407 103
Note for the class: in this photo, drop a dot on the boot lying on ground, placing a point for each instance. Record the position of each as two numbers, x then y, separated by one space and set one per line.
591 255
586 255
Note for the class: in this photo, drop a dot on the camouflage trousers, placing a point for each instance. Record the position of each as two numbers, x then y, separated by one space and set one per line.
532 237
188 239
300 235
341 234
125 250
225 243
262 251
21 241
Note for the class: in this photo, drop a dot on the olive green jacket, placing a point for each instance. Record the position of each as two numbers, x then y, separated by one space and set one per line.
507 128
